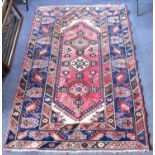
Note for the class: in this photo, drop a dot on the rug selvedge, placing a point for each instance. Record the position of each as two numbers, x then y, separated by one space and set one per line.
79 89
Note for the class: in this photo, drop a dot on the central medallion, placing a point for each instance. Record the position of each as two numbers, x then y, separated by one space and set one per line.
80 63
79 88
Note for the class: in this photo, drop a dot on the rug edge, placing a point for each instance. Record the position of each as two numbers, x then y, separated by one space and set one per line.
148 146
139 82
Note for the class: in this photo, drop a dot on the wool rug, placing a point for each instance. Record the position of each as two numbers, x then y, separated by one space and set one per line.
79 89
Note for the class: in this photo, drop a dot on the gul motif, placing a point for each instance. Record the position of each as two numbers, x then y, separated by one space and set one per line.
119 63
125 123
38 78
44 40
40 63
116 135
116 40
124 106
120 77
38 135
76 136
28 123
34 92
122 92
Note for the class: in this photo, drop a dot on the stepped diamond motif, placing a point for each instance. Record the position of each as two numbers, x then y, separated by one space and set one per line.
79 63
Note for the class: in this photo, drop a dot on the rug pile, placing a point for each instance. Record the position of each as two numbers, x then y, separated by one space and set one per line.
79 89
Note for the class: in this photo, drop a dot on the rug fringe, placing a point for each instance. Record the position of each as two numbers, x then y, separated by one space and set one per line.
96 5
75 151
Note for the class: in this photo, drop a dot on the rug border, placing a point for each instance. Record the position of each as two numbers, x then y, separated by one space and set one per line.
148 146
20 76
139 82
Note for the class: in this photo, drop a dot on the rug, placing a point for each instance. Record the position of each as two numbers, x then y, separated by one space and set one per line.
79 88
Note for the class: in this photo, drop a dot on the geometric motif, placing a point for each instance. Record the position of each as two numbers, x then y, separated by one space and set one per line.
79 63
79 88
80 91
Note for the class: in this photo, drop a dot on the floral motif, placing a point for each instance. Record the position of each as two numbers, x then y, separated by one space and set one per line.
35 92
29 123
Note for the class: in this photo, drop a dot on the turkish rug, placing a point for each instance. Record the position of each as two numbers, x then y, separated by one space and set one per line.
79 88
